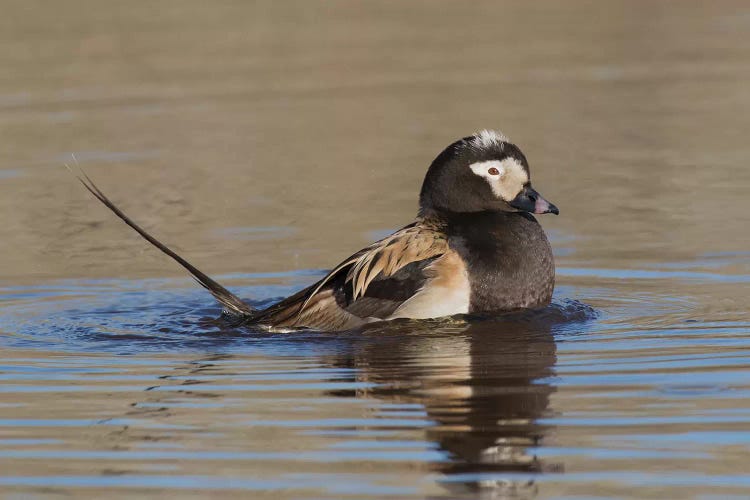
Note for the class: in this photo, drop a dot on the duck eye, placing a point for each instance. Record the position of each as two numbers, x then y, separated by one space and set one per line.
493 171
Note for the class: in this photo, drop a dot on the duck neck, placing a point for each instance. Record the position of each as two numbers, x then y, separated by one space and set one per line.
490 217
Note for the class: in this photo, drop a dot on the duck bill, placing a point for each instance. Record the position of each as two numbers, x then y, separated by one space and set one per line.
528 200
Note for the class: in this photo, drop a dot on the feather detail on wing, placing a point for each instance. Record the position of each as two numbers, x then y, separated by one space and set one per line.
413 243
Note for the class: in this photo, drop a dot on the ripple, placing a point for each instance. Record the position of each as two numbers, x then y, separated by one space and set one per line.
624 371
153 315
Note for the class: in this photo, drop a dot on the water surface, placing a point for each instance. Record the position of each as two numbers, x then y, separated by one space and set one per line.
265 142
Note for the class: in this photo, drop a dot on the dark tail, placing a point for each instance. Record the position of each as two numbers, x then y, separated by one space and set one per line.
229 300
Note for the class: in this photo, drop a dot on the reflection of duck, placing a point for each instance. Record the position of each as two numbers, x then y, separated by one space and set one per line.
484 387
474 248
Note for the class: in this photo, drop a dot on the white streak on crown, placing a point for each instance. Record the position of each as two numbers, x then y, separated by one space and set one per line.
485 139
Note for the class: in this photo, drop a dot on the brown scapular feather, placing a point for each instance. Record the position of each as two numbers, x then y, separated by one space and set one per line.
418 241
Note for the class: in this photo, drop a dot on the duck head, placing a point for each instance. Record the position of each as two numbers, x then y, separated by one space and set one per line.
482 172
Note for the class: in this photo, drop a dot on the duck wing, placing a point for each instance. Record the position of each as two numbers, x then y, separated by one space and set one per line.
370 285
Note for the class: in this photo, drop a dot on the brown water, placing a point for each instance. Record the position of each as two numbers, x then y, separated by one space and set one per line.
266 141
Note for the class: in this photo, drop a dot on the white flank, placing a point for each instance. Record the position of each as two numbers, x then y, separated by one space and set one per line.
446 294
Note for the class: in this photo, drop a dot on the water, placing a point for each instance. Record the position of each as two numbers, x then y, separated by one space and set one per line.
265 142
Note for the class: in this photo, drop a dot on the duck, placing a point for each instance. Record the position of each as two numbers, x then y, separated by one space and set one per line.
474 248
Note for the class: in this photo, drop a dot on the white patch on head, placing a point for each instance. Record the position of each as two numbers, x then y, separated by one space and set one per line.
485 139
510 178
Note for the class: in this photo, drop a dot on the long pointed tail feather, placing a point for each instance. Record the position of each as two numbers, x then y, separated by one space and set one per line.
231 302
